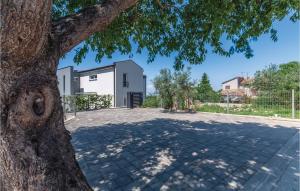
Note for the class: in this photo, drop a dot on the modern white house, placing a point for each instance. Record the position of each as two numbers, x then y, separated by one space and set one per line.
123 80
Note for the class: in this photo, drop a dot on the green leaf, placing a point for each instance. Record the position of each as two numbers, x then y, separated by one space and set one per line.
187 28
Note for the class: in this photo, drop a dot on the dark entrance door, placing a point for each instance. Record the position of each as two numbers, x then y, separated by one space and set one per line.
135 99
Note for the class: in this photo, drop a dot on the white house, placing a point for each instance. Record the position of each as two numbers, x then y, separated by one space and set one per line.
237 87
123 80
233 84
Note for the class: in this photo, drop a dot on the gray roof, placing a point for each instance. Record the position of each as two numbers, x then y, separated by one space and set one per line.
99 68
103 67
237 77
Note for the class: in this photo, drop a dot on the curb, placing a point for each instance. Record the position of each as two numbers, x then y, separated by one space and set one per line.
254 116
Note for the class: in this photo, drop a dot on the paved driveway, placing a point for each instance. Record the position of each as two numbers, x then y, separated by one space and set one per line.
147 149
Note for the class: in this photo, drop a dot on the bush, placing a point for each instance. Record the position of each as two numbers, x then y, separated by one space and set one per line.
151 101
81 102
89 102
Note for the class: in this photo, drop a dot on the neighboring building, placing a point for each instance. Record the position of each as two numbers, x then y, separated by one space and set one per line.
238 86
123 80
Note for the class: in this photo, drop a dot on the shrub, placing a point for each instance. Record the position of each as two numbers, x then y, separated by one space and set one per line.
151 101
89 102
81 102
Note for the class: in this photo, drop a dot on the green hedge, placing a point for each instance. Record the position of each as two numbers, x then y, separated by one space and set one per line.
88 102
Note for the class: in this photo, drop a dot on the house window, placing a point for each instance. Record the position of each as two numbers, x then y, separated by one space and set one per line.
93 78
64 83
227 87
125 80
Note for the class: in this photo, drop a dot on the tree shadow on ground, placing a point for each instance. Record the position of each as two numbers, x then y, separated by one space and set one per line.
166 154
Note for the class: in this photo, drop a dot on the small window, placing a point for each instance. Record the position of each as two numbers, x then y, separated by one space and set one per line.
64 83
93 77
76 78
124 77
227 87
125 82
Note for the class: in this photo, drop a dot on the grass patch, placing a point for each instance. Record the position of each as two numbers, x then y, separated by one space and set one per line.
211 108
251 110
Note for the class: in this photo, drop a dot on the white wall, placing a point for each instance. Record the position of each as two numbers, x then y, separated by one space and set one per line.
234 84
104 85
135 79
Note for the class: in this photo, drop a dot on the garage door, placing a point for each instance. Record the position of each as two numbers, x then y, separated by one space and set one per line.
135 99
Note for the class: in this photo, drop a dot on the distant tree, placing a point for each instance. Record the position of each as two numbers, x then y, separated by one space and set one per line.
184 91
204 90
275 83
176 87
278 78
266 79
289 76
163 83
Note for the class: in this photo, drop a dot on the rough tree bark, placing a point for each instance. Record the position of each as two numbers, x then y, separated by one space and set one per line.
35 149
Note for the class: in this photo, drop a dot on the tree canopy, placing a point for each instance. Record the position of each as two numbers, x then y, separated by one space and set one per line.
176 87
204 85
204 90
163 83
278 77
186 28
184 88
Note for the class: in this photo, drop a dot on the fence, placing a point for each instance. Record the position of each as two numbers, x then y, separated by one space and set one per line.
265 103
69 107
75 103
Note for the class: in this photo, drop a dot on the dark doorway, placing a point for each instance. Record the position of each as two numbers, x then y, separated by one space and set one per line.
134 99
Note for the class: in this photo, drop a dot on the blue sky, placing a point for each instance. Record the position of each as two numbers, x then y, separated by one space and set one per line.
218 68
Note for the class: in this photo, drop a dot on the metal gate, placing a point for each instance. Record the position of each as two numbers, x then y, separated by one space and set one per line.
135 99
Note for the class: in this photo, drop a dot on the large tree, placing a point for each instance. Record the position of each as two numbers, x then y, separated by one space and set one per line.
35 149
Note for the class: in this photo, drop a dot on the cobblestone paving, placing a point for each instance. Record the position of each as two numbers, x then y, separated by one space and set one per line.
147 149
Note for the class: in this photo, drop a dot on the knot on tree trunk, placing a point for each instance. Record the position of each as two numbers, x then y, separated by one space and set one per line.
32 104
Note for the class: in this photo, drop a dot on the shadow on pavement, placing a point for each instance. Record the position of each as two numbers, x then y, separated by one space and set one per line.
166 154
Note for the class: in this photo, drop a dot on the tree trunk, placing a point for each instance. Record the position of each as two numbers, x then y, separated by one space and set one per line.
35 149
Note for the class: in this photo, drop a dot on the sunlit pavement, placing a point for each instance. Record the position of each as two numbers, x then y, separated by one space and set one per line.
147 149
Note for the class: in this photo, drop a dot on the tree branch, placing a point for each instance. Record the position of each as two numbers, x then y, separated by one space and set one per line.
71 30
161 5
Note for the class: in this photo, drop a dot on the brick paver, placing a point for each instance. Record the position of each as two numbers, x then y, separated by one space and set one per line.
147 149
